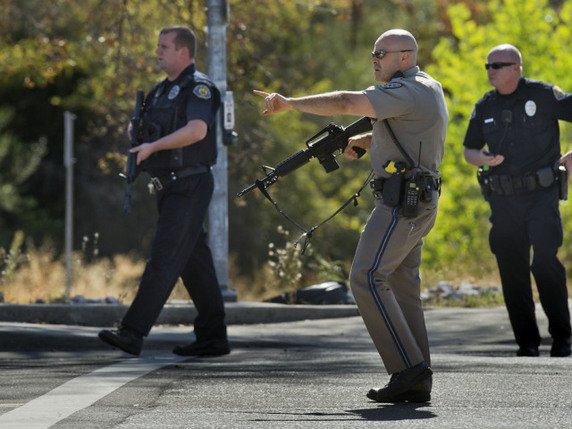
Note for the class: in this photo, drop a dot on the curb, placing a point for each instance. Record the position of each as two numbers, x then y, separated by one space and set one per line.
172 314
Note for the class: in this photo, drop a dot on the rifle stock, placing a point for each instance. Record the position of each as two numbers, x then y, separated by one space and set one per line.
322 146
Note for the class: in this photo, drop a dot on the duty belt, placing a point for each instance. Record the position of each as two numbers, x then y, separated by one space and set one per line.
160 182
504 184
430 184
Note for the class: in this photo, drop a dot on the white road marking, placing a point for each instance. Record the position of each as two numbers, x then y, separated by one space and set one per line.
81 392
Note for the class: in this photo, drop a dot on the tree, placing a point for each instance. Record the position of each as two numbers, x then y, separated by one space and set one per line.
18 162
460 238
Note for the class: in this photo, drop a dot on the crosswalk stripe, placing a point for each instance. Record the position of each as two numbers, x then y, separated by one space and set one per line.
81 392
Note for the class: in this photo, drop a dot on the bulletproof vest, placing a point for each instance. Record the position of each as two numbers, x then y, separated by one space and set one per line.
165 112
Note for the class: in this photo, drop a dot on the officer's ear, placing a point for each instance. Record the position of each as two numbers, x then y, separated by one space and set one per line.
184 53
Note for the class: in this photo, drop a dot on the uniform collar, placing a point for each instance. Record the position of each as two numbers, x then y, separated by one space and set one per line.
190 69
407 73
411 72
519 87
167 84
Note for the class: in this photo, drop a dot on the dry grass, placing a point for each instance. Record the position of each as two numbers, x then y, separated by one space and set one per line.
38 276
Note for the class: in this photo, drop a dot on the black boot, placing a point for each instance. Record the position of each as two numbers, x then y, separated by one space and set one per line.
403 386
123 338
204 348
527 350
560 347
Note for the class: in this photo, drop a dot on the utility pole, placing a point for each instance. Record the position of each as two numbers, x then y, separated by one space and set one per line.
217 14
68 164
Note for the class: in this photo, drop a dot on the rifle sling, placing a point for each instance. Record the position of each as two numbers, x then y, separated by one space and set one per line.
398 145
307 233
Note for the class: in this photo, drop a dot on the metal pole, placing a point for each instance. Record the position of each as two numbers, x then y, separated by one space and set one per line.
217 13
68 164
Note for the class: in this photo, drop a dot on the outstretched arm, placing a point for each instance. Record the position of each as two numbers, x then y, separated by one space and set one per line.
327 104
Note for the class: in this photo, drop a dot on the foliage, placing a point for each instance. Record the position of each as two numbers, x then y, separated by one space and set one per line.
91 56
304 48
460 237
18 162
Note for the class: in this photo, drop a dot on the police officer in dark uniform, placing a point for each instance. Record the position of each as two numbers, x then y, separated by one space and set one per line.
179 148
513 135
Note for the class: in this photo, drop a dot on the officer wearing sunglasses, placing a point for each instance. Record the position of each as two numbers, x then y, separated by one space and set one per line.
513 135
385 272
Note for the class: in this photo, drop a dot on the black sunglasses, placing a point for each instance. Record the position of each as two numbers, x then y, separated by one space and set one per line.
497 66
381 53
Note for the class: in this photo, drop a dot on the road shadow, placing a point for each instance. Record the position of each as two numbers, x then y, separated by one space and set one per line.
394 412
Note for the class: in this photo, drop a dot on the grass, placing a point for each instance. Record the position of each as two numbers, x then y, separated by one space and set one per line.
38 275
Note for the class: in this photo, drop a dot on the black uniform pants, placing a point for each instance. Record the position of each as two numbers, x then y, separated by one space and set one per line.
520 222
180 249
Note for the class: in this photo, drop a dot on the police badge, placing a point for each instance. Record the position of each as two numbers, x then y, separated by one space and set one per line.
173 92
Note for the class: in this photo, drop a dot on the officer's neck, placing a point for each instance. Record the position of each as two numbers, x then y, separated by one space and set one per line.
509 88
174 74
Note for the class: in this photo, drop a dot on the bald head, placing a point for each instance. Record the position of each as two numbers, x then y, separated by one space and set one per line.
511 53
398 39
398 49
508 71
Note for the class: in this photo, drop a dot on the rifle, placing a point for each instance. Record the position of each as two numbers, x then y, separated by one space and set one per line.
322 146
131 169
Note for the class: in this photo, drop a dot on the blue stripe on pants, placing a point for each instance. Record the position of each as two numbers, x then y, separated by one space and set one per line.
378 301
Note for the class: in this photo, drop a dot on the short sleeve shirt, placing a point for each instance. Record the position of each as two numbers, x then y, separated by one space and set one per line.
414 106
522 126
202 99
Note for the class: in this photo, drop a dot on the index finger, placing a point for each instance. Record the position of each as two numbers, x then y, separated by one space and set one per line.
261 93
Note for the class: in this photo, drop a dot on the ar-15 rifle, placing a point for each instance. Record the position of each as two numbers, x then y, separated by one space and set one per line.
322 146
131 169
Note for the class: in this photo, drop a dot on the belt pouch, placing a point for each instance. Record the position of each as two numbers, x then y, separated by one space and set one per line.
392 190
506 185
545 177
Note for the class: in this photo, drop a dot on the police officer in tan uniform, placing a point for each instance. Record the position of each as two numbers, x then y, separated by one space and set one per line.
408 110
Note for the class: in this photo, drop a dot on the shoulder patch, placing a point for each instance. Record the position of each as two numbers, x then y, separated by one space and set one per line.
202 91
390 85
558 93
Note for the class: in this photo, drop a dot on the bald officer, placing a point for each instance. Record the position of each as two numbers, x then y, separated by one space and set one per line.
514 133
408 107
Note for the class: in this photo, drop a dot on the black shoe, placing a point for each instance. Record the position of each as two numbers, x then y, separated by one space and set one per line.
204 348
560 348
417 396
124 339
528 350
402 386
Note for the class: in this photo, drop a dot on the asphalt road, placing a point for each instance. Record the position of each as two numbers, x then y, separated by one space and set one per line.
305 374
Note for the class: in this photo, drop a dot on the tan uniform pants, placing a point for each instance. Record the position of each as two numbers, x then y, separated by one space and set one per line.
386 284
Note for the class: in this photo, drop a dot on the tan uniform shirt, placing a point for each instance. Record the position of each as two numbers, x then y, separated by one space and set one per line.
415 107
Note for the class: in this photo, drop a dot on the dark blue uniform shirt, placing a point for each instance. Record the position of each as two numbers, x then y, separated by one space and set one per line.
522 126
172 104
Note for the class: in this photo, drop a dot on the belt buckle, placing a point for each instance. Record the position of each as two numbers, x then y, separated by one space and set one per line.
157 183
